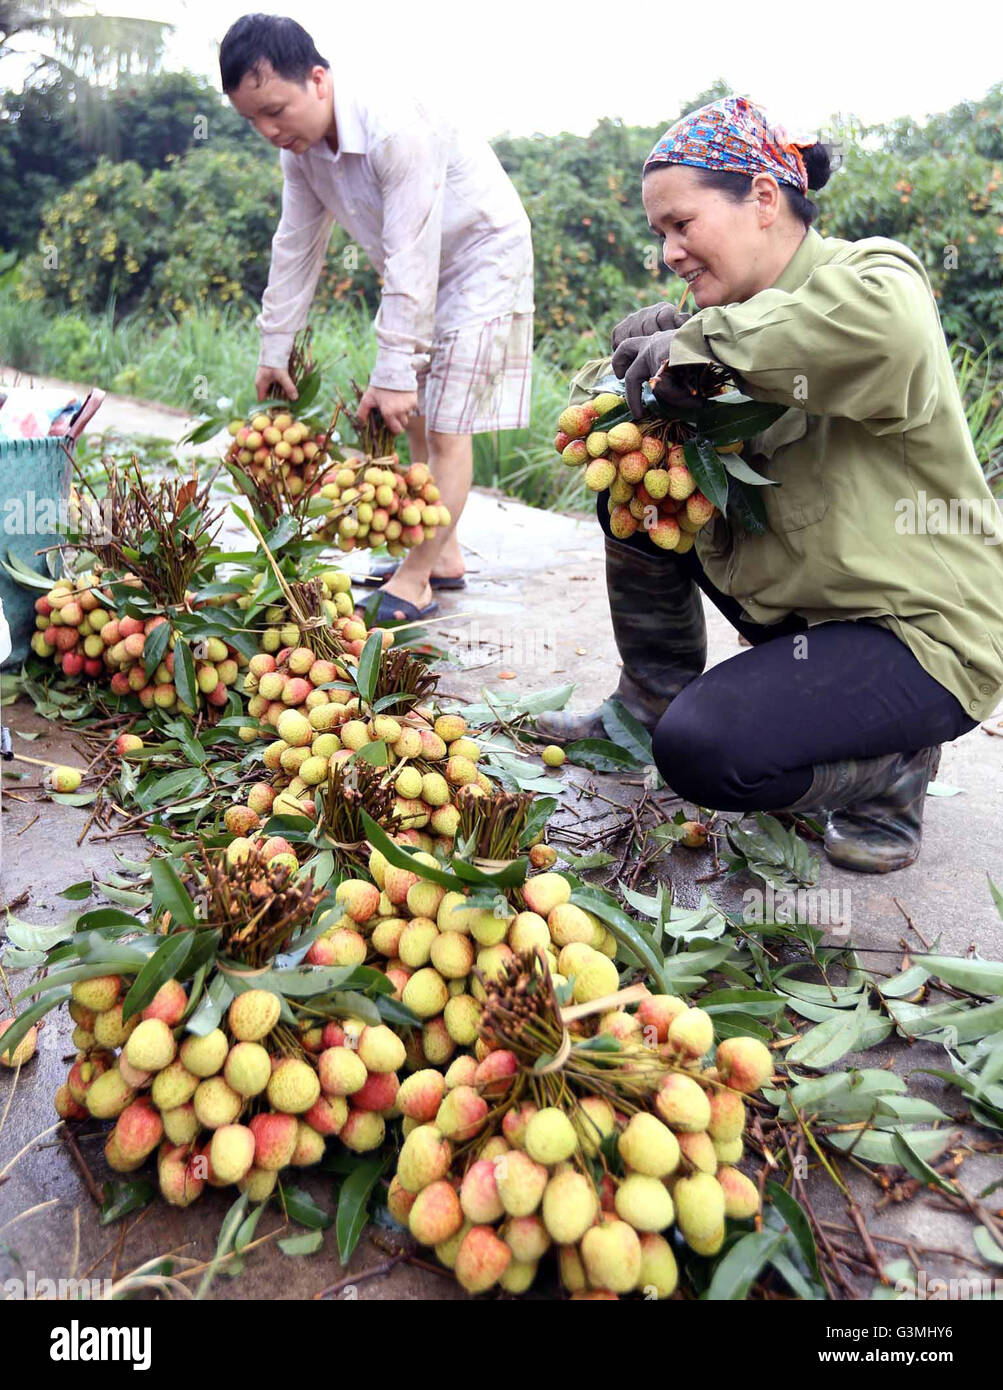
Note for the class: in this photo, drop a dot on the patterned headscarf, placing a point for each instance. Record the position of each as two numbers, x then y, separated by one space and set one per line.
736 136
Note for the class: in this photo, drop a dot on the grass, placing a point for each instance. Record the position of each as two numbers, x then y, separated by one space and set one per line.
207 357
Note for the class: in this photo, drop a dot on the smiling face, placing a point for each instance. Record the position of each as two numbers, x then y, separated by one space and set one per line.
737 248
288 114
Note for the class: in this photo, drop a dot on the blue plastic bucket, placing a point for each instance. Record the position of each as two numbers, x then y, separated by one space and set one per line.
35 481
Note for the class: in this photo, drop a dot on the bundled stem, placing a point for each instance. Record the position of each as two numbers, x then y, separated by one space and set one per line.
257 908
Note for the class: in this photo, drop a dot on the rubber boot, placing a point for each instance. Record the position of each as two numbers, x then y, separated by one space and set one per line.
660 633
875 808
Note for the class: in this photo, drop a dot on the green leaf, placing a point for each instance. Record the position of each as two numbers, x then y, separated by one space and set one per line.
976 976
540 810
624 928
705 463
73 798
200 433
248 1226
793 1213
154 647
986 1245
368 669
307 1243
209 1012
165 964
827 1042
301 1207
875 1145
724 423
742 1265
600 755
997 896
25 1020
170 893
123 1198
625 731
747 504
738 468
78 892
353 1200
400 858
916 1166
184 673
37 938
232 1223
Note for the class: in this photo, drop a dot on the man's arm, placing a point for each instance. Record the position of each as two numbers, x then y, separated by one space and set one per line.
298 249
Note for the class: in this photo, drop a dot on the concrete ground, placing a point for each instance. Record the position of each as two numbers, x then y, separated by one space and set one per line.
534 606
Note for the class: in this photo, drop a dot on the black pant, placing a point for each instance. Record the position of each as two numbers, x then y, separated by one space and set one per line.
745 734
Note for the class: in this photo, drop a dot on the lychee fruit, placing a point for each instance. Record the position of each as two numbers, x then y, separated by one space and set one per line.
682 1104
173 1086
248 1069
481 1260
544 892
436 1214
461 1114
253 1014
741 1196
570 1206
216 1104
659 1271
649 1147
479 1194
700 1212
293 1086
745 1063
275 1138
550 1136
169 1003
421 1095
425 1157
521 1182
692 1033
231 1152
611 1254
644 1203
204 1056
151 1045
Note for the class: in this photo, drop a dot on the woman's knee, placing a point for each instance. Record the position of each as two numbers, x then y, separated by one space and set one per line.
705 759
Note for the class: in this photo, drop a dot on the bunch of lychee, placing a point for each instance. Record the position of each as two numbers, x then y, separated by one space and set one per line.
229 1106
432 759
272 444
649 485
87 640
602 1182
373 505
438 952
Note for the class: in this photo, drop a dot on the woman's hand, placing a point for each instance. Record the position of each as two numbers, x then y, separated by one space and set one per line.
644 322
637 360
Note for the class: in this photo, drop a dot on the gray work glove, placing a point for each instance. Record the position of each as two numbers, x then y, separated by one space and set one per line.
637 360
644 322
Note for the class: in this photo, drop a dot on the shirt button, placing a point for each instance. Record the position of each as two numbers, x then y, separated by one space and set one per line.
973 705
985 689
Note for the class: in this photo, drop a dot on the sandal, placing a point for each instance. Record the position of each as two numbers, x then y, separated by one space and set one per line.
390 608
382 570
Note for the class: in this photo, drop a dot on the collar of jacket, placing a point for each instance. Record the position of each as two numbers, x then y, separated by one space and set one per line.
347 114
802 263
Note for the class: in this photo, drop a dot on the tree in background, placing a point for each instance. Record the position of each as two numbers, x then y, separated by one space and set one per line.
72 44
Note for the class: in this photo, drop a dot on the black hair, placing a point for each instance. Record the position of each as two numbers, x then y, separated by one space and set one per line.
819 161
258 38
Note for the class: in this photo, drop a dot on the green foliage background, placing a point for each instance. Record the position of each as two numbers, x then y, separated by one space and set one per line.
145 272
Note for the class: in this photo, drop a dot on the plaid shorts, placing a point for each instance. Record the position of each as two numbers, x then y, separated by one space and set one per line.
478 379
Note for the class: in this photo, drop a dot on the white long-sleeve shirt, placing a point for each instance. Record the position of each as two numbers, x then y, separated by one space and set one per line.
432 208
